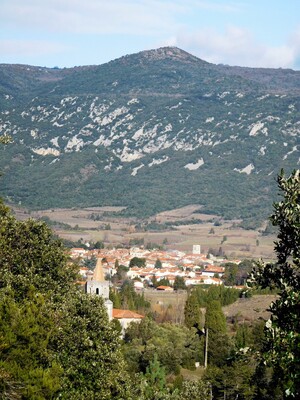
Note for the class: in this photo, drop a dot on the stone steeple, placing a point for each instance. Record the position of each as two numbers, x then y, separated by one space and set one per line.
98 275
100 287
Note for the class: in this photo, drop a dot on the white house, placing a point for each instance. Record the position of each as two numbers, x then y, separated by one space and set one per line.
212 270
125 317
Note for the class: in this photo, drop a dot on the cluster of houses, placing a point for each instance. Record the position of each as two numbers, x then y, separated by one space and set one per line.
194 268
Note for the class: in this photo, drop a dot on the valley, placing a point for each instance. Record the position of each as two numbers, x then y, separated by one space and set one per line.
177 229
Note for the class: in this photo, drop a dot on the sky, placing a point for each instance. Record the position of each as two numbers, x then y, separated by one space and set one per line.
67 33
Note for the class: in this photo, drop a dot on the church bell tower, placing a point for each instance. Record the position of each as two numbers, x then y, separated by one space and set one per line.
98 286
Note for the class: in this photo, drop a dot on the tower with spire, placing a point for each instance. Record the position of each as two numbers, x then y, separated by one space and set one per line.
98 286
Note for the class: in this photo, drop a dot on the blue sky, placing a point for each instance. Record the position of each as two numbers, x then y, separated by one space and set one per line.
65 33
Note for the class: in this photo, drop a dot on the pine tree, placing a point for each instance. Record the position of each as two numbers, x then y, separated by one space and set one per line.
32 257
179 283
214 318
114 296
156 380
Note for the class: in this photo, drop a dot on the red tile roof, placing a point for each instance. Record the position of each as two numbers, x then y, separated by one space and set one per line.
119 314
164 288
214 268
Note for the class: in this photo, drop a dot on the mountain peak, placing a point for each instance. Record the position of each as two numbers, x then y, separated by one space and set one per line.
163 53
168 52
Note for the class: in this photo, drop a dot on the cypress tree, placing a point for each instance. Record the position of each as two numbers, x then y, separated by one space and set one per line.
218 342
192 312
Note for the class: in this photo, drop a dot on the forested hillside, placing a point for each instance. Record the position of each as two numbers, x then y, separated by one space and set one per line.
150 131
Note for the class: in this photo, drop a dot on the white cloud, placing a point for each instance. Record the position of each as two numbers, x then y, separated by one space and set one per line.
102 16
294 42
92 16
235 46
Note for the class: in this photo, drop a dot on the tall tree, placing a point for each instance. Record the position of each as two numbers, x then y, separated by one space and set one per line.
283 329
230 275
215 326
192 311
155 378
214 318
244 270
54 339
31 257
179 283
115 297
88 349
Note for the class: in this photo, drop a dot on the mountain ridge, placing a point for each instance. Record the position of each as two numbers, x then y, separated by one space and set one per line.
150 131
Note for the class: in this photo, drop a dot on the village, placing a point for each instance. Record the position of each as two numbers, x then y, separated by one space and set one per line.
194 268
147 270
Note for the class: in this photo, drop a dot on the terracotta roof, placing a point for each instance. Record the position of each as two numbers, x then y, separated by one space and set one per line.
117 313
164 287
214 268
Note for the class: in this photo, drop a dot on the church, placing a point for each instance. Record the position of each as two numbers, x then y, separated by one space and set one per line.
97 285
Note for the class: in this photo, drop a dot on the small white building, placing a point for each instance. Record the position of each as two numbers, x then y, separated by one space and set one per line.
125 317
212 270
196 249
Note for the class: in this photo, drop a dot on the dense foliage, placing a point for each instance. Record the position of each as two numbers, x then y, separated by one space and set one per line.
55 341
128 298
282 350
32 258
88 350
237 274
199 298
174 346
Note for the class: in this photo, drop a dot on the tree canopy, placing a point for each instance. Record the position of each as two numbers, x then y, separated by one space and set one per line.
32 258
282 350
178 346
55 340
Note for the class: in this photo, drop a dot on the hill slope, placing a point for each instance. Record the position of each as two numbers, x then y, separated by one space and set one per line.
150 131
